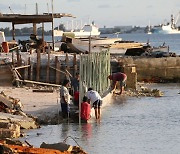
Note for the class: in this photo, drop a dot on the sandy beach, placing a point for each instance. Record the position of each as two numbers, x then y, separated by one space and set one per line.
39 104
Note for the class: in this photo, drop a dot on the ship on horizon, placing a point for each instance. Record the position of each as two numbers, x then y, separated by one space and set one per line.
168 28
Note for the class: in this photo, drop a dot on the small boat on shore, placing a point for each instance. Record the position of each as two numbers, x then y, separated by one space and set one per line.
114 45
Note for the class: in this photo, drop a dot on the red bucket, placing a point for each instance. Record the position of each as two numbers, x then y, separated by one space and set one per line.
5 47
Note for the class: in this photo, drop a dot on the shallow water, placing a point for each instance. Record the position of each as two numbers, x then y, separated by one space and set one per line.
129 125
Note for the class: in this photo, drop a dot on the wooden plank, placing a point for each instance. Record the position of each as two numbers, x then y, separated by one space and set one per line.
43 90
25 66
74 65
40 83
57 68
48 65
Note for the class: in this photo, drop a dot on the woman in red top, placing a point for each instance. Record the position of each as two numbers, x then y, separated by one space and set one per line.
85 109
118 77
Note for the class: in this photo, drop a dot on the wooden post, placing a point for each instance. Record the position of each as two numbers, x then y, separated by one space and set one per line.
43 37
57 68
18 58
31 71
53 42
38 65
13 58
34 29
74 65
25 71
13 31
48 65
90 43
67 62
29 68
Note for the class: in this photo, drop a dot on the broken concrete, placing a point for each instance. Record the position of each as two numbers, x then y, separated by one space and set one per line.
9 130
23 122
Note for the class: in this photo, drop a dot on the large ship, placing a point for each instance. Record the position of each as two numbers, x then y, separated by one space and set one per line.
86 31
168 28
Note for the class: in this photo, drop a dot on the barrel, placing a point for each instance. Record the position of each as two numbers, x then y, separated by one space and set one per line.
5 47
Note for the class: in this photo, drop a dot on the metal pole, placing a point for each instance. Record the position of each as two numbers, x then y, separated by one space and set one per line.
80 87
90 43
52 24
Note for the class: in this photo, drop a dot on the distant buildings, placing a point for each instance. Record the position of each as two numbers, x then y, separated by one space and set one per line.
122 29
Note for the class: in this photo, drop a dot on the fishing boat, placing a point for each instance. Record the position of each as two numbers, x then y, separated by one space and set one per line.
168 28
116 46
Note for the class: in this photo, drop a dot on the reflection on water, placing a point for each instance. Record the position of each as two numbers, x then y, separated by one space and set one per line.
129 125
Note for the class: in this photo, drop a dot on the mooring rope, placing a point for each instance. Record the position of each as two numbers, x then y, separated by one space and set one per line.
71 138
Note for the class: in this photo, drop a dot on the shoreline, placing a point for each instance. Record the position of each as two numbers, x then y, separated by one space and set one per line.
45 106
42 106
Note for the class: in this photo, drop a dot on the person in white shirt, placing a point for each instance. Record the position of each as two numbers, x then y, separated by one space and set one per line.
96 100
65 98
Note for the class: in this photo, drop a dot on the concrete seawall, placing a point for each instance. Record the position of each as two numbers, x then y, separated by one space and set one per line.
167 68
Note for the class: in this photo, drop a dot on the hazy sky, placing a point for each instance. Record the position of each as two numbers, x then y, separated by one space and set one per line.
107 13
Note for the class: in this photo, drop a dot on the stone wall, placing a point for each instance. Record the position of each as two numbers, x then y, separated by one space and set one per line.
167 68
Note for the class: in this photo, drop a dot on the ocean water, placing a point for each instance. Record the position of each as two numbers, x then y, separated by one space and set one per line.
129 125
172 40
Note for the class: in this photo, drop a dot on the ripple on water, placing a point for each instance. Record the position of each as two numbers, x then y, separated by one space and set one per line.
135 125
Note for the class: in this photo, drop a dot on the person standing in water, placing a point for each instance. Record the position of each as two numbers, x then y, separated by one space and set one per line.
96 100
65 98
85 109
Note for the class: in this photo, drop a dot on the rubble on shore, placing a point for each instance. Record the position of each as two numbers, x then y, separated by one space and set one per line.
144 92
12 146
12 118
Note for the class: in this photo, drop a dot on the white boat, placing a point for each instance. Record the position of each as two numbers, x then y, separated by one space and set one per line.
2 37
149 29
115 45
87 30
168 28
84 44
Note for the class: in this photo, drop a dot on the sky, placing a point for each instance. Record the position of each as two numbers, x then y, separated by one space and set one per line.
107 13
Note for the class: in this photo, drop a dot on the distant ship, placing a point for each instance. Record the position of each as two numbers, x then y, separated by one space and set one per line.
86 31
168 28
149 29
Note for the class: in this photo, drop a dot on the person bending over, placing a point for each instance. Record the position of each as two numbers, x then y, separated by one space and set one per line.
118 77
95 99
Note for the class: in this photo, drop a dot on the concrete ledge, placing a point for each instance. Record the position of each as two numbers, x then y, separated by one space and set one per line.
165 68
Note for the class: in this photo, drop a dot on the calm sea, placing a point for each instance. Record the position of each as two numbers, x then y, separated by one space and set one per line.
130 125
172 40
